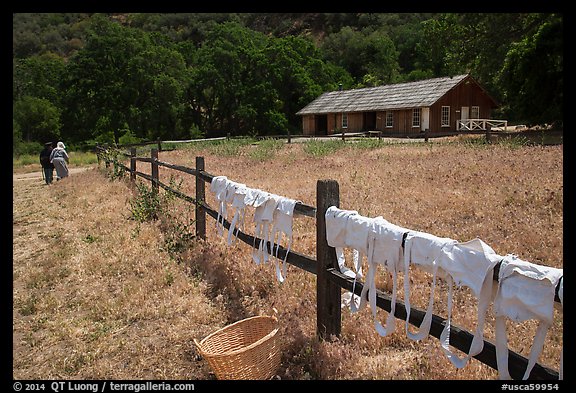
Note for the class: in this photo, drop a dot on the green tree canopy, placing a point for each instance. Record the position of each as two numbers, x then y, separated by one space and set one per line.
38 76
121 80
363 53
532 75
37 118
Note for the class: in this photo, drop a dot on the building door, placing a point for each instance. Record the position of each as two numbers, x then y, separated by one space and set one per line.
464 115
425 121
369 121
321 125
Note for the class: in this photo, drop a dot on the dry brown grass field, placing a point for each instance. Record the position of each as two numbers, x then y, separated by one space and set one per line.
99 295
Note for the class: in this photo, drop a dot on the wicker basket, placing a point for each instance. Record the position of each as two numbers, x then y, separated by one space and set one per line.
247 349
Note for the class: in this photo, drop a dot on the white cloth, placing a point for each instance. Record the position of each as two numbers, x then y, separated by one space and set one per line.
380 241
282 226
263 216
424 250
346 229
525 291
218 187
384 248
273 218
336 235
240 211
468 264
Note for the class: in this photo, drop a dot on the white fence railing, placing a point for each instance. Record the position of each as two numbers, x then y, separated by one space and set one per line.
481 124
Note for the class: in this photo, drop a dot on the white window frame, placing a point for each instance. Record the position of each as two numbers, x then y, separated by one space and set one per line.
389 119
475 110
445 116
415 117
344 120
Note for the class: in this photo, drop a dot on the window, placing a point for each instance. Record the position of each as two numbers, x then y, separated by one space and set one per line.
389 119
416 117
344 120
445 116
475 112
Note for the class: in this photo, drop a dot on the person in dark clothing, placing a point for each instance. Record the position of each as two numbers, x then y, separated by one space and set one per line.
47 166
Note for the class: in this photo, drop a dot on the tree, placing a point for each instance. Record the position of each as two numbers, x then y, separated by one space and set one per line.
122 78
361 53
441 44
244 82
38 76
532 74
230 88
37 118
299 75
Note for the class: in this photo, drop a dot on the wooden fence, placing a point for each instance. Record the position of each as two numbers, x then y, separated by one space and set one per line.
425 135
329 279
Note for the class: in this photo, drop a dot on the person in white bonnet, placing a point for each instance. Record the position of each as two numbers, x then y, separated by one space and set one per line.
60 159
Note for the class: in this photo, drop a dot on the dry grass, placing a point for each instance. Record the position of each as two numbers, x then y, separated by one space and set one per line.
96 295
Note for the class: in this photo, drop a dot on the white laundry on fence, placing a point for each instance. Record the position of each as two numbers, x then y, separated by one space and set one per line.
470 264
385 248
348 229
218 187
273 217
525 291
376 238
282 225
423 249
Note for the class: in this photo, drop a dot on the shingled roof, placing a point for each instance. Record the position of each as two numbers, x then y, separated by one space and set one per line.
421 93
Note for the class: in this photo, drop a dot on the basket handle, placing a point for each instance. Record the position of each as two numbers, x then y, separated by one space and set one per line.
198 345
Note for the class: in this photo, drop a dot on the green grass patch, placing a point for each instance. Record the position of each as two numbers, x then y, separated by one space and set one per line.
266 149
77 158
318 148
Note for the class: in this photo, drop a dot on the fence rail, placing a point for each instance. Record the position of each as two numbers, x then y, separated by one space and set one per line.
481 124
329 279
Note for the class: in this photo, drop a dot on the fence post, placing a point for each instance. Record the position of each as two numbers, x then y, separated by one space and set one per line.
106 160
328 294
154 171
488 137
98 152
132 164
200 197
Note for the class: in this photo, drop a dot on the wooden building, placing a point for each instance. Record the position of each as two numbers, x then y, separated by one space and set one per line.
434 104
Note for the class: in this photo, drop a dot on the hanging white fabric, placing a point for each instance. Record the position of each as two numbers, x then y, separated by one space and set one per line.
282 226
273 218
469 264
422 249
218 187
238 198
525 291
263 217
339 223
380 241
385 249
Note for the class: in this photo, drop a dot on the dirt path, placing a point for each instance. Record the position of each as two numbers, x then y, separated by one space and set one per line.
38 175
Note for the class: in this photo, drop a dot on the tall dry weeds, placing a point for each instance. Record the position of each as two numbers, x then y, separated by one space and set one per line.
105 299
